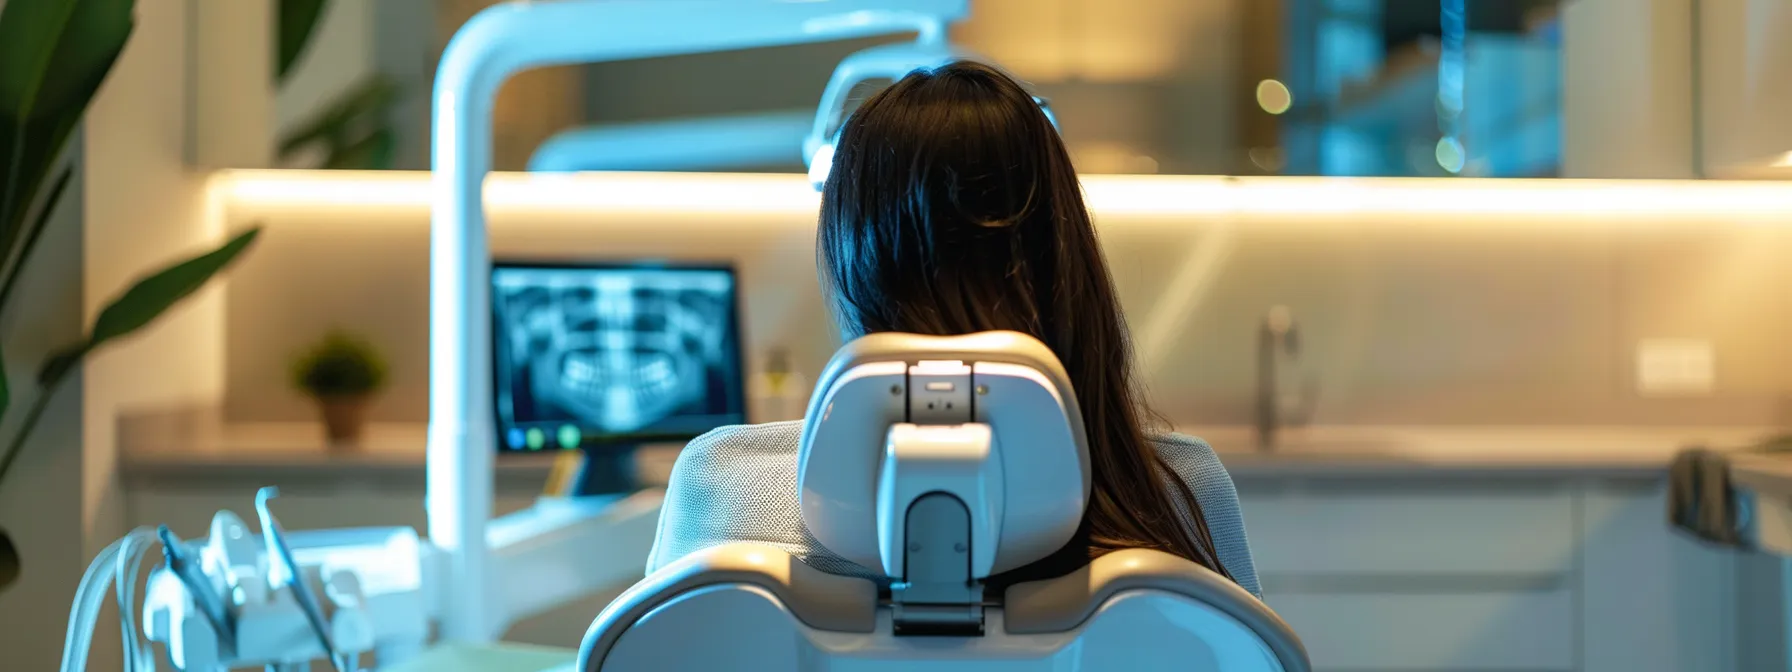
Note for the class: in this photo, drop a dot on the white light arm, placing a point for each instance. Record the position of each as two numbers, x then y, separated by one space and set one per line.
890 61
708 144
562 550
495 44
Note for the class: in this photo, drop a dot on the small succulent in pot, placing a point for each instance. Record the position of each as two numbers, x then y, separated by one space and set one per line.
341 372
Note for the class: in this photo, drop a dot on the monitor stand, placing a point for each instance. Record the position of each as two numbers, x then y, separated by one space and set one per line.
607 470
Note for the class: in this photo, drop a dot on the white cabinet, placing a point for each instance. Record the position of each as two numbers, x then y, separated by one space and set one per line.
1433 630
1652 600
1391 531
1471 575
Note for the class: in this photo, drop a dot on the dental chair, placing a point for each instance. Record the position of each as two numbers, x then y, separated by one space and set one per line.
939 462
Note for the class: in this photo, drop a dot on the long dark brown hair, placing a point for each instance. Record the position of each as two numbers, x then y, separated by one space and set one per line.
951 207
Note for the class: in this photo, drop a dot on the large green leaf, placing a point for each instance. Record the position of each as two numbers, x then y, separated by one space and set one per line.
9 561
298 19
147 300
152 295
53 56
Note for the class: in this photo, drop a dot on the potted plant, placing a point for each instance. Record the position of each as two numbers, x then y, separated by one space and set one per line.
341 373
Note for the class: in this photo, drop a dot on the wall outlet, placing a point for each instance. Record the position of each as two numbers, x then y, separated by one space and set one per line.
1675 367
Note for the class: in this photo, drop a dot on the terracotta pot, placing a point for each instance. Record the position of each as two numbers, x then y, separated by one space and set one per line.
344 418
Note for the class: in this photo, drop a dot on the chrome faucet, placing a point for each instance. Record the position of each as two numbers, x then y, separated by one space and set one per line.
1276 337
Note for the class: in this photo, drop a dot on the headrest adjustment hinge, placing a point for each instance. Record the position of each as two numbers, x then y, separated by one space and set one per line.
938 596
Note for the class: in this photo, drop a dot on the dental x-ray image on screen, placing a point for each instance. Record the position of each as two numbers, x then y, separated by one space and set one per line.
589 356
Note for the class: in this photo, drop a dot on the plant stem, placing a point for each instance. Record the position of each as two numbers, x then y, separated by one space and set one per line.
38 225
12 183
37 410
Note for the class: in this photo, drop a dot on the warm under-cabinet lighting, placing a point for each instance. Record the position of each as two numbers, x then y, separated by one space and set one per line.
568 192
1439 201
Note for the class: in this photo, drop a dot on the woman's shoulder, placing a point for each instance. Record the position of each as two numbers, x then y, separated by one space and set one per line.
734 461
766 436
1172 444
741 442
1191 457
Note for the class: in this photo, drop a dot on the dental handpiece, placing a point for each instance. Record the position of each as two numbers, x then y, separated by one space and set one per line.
279 554
188 570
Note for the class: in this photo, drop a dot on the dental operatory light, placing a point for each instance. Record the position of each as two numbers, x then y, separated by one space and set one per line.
892 62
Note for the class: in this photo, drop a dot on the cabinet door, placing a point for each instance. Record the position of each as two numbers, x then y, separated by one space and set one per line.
1420 576
1434 631
1652 600
1468 532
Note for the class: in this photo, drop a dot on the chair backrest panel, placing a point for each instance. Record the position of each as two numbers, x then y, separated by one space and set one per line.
813 597
939 461
1141 610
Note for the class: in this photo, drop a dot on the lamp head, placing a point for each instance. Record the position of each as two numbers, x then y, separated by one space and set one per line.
892 62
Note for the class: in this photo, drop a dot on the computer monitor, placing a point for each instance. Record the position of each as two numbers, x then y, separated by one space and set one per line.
606 357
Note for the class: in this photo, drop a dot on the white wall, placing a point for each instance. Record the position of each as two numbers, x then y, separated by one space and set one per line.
228 76
341 53
145 209
1627 91
41 501
1435 313
407 51
1745 83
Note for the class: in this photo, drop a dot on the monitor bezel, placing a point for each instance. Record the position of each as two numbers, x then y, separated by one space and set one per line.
735 333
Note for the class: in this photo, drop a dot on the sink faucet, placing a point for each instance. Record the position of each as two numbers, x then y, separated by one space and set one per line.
1276 337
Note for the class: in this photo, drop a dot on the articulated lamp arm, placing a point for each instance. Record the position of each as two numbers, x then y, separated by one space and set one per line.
495 44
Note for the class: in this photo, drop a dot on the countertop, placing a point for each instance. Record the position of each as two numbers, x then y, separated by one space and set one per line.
194 448
1765 473
190 448
1468 450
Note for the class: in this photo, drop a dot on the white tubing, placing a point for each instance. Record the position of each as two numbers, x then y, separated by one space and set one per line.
119 563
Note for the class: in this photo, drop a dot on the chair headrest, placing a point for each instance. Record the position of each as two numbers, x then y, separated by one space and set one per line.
1038 471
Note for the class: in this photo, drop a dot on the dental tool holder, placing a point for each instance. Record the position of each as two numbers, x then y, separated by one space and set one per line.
367 584
381 590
